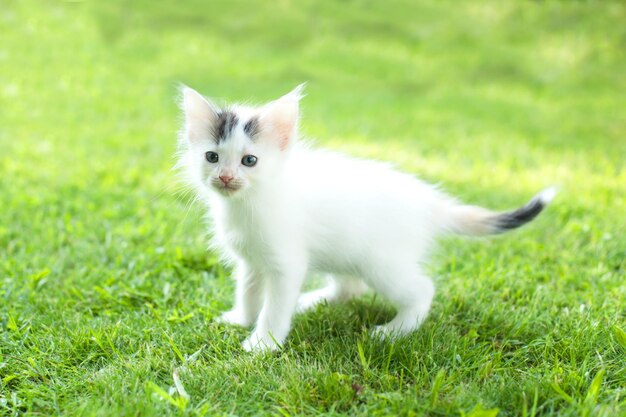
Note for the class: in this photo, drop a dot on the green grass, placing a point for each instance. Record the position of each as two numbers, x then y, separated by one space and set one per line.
107 290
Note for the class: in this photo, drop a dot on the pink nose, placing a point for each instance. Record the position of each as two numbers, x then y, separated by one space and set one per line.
226 179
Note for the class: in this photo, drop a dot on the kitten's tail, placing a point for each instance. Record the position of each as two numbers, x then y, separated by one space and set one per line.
477 221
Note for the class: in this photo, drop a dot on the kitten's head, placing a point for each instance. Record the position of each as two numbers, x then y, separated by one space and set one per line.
230 150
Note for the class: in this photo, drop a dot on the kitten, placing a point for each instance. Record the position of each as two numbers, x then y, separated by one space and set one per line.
281 210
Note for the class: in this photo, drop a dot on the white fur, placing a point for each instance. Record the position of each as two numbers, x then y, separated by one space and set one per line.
547 195
301 210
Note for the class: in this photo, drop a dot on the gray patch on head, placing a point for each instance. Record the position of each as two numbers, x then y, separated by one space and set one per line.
226 123
252 127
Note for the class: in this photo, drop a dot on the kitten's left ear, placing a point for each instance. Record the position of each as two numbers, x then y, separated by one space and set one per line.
280 117
200 115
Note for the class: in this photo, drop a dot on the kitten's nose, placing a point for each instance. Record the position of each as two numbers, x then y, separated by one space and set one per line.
226 179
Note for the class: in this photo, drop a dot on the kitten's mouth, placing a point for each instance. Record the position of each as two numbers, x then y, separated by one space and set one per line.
229 188
222 188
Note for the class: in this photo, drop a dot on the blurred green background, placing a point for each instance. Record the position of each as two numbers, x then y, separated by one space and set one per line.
105 283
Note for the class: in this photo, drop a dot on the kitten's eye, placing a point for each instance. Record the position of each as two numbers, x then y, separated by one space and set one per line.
212 157
249 160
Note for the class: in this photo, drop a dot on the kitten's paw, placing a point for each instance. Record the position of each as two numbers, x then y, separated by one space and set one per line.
234 317
385 332
259 344
309 300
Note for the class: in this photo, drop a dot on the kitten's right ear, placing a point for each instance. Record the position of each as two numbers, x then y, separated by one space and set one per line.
279 118
200 115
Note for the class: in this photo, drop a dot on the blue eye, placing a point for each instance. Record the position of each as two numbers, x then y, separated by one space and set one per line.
212 157
249 160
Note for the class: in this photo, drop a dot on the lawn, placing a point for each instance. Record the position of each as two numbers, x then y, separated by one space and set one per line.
108 294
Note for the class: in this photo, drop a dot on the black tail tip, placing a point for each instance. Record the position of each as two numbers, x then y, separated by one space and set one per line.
514 219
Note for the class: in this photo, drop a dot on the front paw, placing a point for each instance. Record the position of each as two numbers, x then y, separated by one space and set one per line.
235 317
309 300
258 343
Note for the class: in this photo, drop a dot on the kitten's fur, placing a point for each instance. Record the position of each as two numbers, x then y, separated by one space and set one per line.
300 210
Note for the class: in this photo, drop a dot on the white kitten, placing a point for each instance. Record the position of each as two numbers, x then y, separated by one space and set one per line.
281 210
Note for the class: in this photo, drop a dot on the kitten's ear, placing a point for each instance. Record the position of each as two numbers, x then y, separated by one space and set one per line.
200 115
279 118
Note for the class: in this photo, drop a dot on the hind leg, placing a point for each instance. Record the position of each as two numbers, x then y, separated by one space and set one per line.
338 289
409 290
